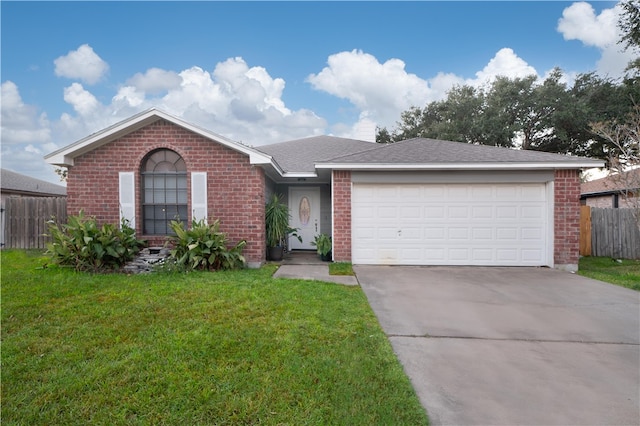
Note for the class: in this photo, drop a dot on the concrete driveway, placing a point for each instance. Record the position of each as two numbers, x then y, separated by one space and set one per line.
507 346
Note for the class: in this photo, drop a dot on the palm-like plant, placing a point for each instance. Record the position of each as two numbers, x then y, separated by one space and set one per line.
276 221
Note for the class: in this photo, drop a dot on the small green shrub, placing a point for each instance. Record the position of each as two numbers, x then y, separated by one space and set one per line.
84 245
322 242
204 247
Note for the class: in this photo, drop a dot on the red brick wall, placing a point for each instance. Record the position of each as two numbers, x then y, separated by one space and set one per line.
566 217
341 215
235 188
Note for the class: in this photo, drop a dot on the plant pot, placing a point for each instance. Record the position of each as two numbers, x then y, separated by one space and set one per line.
275 253
326 257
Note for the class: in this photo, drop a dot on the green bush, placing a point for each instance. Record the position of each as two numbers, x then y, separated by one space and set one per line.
204 247
86 246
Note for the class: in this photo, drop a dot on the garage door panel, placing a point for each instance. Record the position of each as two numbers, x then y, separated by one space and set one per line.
482 233
506 212
434 234
458 234
482 212
450 224
434 212
482 255
458 212
533 193
506 234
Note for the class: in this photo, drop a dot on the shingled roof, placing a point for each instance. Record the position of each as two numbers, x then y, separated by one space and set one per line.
301 155
432 153
16 183
613 183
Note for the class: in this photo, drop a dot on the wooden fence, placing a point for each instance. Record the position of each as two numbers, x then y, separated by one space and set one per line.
609 232
24 220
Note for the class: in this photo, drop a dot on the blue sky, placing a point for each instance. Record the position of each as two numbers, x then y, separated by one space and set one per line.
264 72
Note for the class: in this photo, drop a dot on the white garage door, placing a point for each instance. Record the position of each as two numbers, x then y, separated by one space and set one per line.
451 224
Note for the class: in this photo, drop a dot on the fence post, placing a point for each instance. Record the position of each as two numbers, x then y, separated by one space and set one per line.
585 231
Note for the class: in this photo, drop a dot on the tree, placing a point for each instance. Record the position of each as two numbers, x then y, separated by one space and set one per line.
624 155
629 24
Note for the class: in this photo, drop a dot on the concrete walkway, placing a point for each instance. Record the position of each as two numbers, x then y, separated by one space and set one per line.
308 266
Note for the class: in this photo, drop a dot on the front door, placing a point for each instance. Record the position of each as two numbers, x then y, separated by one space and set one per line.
304 207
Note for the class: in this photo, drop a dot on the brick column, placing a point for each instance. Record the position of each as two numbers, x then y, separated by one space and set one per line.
566 252
341 198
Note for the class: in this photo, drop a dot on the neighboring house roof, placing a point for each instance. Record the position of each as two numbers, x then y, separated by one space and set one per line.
421 153
611 184
16 183
66 155
301 155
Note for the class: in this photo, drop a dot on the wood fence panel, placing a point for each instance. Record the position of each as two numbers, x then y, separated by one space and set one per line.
585 231
26 220
615 233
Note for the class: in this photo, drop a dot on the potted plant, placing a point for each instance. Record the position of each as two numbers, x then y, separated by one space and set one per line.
323 246
277 227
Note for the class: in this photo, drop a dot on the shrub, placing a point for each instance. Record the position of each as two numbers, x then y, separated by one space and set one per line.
204 247
86 246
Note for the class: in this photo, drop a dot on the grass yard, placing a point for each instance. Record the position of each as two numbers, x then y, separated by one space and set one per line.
192 349
625 273
341 268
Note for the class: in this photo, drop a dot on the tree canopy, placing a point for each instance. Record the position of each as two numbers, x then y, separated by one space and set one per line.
526 113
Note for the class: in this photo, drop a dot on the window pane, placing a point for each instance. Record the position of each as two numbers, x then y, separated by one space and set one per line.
171 182
182 182
148 196
148 212
172 197
158 196
182 212
182 196
172 212
158 182
159 212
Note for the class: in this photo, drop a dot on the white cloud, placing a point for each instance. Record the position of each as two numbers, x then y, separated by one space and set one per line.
380 89
580 22
155 80
505 63
240 102
82 100
26 134
383 90
83 64
21 123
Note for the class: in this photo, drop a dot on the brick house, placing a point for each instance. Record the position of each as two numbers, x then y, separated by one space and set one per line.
417 202
613 191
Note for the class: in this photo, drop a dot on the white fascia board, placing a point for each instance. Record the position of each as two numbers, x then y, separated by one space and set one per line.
464 166
299 175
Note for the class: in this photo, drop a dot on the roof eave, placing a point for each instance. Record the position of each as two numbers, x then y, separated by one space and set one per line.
65 156
461 166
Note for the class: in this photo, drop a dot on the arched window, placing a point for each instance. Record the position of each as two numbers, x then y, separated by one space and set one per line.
164 191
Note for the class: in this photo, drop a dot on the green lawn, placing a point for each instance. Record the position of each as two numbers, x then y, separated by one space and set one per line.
625 273
193 349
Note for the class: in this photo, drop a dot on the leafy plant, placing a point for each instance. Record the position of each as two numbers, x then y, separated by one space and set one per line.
322 242
277 222
86 246
204 247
